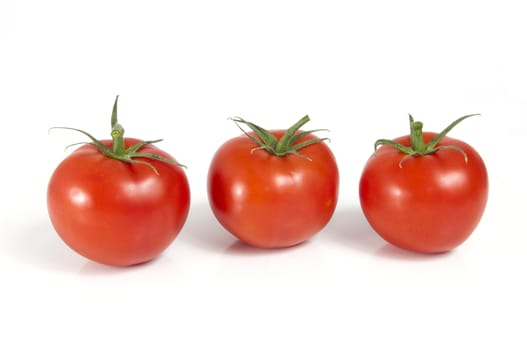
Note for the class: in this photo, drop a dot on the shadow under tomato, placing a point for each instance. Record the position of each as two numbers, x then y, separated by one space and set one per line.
349 228
392 252
39 246
203 231
99 269
239 248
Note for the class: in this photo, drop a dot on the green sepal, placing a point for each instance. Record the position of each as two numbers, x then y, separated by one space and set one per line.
417 145
104 150
265 140
443 133
119 151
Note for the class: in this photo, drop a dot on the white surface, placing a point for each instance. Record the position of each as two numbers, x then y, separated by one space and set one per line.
183 68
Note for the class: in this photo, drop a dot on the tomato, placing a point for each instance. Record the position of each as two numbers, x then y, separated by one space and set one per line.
428 203
272 201
118 212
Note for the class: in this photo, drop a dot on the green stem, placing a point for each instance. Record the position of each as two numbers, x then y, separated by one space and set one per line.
416 136
118 146
119 151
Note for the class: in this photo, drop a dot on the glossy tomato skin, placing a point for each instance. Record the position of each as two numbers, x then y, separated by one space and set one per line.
117 213
269 201
432 203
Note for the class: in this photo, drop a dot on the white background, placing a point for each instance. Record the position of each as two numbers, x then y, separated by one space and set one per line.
182 68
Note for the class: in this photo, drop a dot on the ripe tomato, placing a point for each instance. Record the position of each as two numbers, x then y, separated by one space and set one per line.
118 212
272 201
427 203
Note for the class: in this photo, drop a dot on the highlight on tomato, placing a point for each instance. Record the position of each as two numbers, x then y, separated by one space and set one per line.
424 192
118 202
273 189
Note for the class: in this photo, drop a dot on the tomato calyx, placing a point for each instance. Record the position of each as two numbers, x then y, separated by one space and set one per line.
119 150
417 145
286 144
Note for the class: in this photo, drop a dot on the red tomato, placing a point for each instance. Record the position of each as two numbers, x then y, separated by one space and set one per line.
271 201
115 212
429 203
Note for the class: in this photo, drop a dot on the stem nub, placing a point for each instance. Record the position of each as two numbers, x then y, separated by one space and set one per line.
417 145
119 150
265 140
